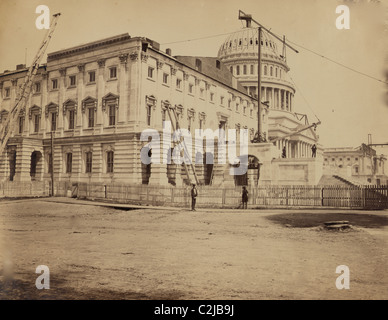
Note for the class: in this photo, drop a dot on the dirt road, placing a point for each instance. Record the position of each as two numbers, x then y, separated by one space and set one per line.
95 252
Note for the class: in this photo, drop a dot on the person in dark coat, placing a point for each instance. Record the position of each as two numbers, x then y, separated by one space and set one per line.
245 198
314 151
194 194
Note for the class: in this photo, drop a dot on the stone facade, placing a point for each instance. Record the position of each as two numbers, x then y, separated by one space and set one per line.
360 165
95 100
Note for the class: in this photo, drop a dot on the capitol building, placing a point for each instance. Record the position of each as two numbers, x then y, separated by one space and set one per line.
90 103
239 53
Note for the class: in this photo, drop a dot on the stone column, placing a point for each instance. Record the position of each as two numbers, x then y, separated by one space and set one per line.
100 93
43 119
62 92
123 89
80 96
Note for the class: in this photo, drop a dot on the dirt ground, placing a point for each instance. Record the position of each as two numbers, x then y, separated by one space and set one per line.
97 252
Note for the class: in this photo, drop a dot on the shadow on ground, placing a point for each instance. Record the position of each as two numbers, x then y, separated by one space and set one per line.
17 289
310 220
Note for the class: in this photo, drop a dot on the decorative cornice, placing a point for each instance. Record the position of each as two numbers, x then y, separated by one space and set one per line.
101 62
191 113
159 64
124 58
144 57
69 104
110 97
51 106
89 47
134 56
81 67
34 110
88 101
202 116
151 101
62 71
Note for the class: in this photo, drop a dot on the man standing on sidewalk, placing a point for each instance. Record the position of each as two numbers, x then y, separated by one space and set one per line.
194 194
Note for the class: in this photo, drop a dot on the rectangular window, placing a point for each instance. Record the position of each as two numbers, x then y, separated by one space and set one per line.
252 69
191 88
200 123
90 117
245 69
150 72
237 105
178 83
112 115
37 87
50 163
164 113
72 81
211 96
238 70
54 84
92 76
165 78
7 92
69 162
109 161
229 104
113 73
149 115
222 101
36 123
201 91
71 119
88 162
21 124
53 121
189 124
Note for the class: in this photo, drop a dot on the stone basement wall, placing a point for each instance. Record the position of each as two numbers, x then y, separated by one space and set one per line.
12 189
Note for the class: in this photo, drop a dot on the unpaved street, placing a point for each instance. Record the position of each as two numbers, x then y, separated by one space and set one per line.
97 252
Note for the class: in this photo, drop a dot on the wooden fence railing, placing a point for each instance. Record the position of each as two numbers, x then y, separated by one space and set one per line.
367 197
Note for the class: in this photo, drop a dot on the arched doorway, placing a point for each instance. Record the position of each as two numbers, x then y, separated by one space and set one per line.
252 176
208 160
35 166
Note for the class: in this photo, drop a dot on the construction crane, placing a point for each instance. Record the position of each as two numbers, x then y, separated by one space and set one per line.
8 127
171 112
301 129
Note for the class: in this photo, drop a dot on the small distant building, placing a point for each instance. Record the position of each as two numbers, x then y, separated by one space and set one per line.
360 165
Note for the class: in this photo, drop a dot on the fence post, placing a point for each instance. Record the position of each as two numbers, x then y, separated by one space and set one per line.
287 196
322 202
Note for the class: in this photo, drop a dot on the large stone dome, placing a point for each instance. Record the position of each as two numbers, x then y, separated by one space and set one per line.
244 44
239 53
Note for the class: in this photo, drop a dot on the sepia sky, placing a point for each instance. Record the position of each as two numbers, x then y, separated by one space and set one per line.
348 104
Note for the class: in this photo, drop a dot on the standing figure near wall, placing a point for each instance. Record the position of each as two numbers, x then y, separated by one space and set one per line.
244 198
314 150
194 194
284 152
